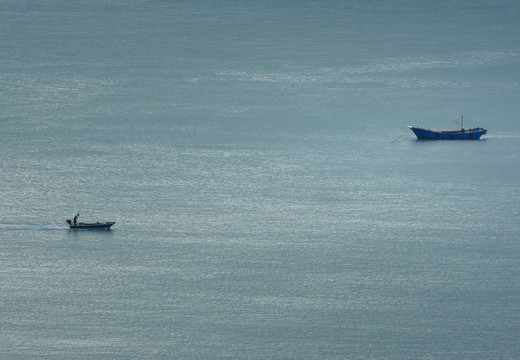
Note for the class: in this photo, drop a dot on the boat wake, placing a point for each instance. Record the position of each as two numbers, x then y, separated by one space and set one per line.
21 227
505 136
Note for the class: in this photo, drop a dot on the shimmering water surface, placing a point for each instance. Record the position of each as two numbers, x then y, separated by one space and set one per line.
270 202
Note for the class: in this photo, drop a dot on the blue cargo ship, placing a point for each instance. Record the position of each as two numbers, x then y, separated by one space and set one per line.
462 134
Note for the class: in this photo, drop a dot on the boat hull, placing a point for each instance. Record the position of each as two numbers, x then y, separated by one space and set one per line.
426 134
92 226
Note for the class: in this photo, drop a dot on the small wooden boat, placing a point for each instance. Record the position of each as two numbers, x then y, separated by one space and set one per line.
91 226
462 134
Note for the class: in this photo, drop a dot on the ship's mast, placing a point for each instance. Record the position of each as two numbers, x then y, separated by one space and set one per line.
461 122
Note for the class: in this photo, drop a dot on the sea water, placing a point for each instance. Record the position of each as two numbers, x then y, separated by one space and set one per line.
270 202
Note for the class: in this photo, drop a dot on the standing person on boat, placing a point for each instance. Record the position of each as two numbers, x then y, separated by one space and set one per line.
76 219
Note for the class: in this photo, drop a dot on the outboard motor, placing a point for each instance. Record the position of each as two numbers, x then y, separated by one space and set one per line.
69 221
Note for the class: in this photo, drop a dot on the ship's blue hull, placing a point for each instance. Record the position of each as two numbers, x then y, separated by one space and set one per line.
471 134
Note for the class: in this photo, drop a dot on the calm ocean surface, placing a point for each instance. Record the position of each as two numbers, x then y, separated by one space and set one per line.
270 202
